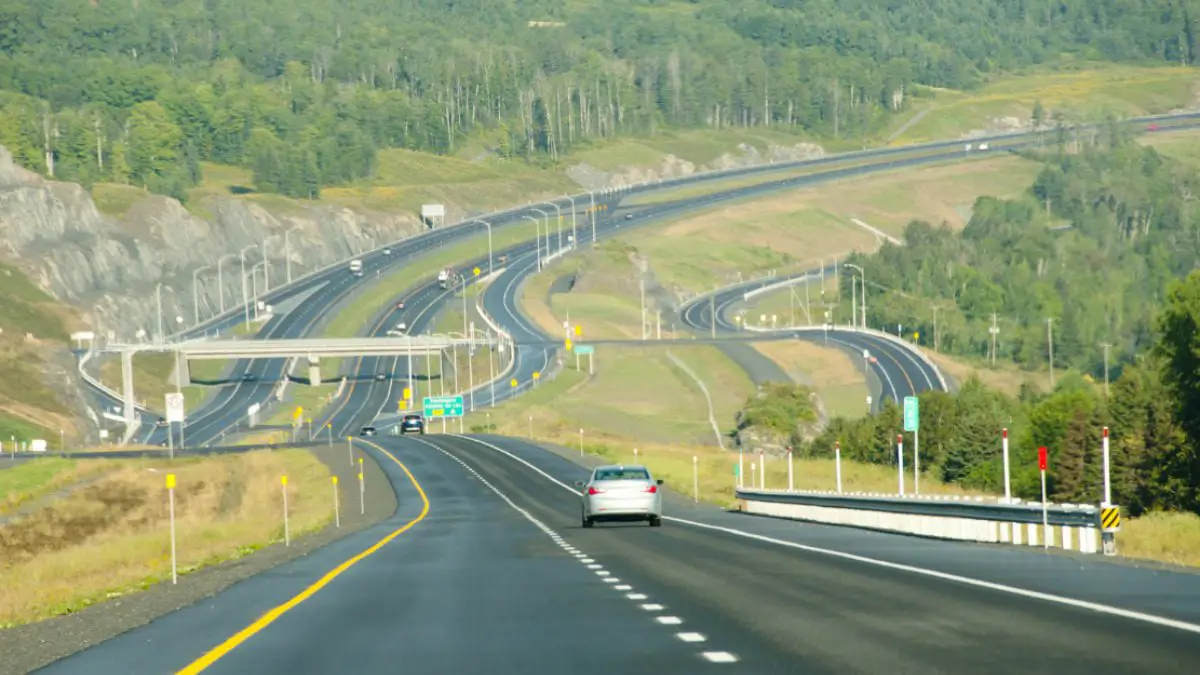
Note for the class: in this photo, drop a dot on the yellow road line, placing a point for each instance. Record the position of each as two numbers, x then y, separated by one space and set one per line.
267 619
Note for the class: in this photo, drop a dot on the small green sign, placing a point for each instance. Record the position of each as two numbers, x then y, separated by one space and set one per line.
912 413
584 350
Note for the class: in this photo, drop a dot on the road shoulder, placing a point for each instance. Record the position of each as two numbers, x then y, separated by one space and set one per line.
28 647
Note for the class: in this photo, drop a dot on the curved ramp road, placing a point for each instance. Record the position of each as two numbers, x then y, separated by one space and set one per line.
485 568
897 370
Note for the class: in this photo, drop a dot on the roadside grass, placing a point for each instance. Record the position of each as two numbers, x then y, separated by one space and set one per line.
311 400
110 538
35 478
152 380
803 227
1089 92
1183 146
640 391
1006 377
828 370
1166 537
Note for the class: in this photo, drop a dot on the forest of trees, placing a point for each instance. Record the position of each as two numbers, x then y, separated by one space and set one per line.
306 91
1097 248
1083 259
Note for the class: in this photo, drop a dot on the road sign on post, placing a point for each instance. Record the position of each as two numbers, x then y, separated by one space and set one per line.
912 416
584 350
443 406
1042 463
175 407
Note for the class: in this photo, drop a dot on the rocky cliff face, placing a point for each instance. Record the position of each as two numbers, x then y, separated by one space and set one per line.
110 268
671 166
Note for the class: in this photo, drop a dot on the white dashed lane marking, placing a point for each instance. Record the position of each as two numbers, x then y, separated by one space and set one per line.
605 575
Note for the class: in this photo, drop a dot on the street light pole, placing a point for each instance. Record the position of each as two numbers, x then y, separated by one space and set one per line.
254 282
546 222
558 210
287 251
245 290
158 301
489 230
267 266
862 282
574 231
592 196
537 240
221 282
196 294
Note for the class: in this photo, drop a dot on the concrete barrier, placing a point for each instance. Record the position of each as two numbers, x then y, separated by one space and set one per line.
1069 526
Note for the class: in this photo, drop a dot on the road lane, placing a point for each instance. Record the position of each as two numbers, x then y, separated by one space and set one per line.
830 614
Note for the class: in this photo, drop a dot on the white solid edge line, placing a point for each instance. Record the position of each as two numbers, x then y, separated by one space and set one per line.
945 576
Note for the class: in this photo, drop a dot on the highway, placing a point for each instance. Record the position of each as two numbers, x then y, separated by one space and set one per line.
897 376
485 568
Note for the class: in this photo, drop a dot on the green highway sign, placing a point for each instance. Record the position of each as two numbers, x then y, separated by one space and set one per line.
584 350
912 413
443 406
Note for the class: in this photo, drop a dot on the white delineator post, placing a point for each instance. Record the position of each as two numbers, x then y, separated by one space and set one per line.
349 449
635 456
791 483
337 513
900 455
753 474
581 442
762 469
362 490
287 535
741 477
171 501
837 463
1007 473
1107 476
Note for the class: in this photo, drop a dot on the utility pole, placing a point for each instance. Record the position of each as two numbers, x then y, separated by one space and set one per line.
642 283
1106 346
994 330
712 311
853 303
1050 344
935 328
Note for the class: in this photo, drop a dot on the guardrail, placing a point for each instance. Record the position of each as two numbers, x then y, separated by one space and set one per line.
1069 526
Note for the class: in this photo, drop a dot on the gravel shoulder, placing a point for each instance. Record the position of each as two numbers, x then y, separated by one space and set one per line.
32 646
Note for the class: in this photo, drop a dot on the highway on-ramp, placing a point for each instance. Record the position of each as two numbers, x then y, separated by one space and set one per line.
898 369
486 568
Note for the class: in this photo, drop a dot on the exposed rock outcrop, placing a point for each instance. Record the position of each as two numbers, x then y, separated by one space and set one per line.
110 268
670 166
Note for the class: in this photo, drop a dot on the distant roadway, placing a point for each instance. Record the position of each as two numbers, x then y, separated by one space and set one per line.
224 411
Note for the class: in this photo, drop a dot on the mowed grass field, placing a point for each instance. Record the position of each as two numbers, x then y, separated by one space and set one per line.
1088 91
108 535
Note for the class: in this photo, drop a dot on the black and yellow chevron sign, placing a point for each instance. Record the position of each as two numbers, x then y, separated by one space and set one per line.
1110 518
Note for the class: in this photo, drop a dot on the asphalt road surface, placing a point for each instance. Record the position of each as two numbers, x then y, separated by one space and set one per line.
490 571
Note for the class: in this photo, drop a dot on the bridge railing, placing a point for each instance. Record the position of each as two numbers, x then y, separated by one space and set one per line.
979 519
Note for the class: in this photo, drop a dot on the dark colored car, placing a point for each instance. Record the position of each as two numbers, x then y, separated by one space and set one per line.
380 376
628 216
248 377
367 431
412 422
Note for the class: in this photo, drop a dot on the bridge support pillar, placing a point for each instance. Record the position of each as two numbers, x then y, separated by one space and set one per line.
314 371
181 376
128 402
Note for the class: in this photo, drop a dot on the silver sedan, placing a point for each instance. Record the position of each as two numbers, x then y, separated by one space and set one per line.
621 493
